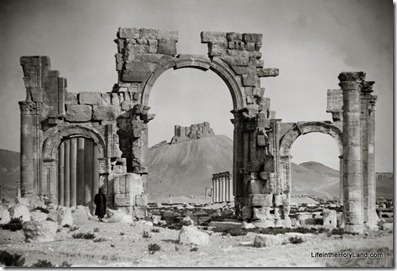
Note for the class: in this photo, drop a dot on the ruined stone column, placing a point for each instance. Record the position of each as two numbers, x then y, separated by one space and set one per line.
341 188
212 191
73 171
227 189
350 83
218 186
53 183
371 218
231 189
67 174
61 174
27 145
87 171
80 171
222 180
95 171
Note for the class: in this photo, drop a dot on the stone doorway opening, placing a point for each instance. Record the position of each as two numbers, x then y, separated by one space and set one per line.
315 156
78 172
184 100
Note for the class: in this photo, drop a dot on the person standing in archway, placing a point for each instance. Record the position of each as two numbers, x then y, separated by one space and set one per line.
100 202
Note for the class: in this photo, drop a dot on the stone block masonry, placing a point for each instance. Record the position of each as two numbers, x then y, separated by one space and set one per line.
58 128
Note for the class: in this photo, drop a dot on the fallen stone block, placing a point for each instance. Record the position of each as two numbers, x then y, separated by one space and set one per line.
329 219
225 225
387 226
38 216
19 210
192 236
67 218
267 240
39 231
156 219
4 215
186 221
80 215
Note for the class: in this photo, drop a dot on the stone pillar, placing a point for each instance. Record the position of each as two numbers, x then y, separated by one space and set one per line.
88 144
350 83
231 189
67 174
368 102
222 179
341 187
212 191
227 197
218 188
27 151
53 183
95 171
80 171
73 172
61 174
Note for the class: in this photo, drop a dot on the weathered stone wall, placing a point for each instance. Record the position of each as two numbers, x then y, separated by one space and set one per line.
116 122
195 131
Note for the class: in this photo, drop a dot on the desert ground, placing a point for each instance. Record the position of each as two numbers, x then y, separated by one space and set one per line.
126 245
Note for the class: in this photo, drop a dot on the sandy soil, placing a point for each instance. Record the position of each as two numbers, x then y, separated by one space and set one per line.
125 246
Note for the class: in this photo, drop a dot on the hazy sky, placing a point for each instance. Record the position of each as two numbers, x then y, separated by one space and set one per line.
310 41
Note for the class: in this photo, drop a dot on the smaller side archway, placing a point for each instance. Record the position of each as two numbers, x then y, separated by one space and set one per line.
54 144
301 128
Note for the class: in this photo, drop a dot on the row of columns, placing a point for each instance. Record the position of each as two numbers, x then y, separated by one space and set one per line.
222 187
359 177
78 172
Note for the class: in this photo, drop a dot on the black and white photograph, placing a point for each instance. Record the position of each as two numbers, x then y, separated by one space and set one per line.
197 134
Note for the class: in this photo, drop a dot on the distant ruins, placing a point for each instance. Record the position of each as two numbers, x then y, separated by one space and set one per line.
195 131
72 144
222 187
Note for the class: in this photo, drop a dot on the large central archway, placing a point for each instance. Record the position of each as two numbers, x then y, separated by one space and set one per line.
202 63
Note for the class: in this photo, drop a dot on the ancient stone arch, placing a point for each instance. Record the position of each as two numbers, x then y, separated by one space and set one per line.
202 63
302 128
117 123
57 134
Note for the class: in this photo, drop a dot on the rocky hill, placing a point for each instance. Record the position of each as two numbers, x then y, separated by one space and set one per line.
186 168
312 178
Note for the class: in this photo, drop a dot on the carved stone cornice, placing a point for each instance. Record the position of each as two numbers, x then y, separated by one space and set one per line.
351 80
352 76
367 86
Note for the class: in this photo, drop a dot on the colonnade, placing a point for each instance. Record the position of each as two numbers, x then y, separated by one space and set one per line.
222 187
78 172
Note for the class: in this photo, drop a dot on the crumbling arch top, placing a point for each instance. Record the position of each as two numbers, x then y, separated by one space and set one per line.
302 128
202 63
